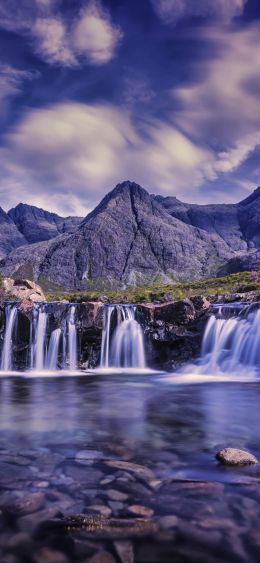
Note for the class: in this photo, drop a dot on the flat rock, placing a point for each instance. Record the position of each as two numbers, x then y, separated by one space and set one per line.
138 470
234 456
140 510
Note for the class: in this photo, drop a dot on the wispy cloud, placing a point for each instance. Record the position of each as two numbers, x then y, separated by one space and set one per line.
11 80
90 35
172 11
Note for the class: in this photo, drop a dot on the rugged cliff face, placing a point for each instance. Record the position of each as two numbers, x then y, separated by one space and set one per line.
237 224
38 225
10 236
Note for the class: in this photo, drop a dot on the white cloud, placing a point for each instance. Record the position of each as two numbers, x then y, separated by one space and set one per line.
89 35
172 11
94 35
80 151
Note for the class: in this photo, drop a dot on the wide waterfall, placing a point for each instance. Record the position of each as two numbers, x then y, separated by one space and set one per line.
122 339
231 344
50 347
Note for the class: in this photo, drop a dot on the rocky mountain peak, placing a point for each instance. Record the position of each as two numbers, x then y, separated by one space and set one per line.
251 198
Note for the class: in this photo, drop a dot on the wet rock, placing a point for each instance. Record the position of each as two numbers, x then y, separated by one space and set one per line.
102 557
89 476
201 304
179 312
87 457
25 505
107 528
140 510
116 506
234 456
113 494
139 470
101 509
9 473
169 521
125 551
47 555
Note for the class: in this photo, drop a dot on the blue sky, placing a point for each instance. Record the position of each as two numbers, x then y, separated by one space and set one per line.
162 92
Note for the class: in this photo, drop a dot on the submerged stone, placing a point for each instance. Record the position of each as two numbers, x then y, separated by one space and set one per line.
234 456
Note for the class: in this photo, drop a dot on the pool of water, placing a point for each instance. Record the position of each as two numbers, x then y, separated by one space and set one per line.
127 447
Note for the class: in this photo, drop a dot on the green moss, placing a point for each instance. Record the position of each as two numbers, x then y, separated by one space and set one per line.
234 283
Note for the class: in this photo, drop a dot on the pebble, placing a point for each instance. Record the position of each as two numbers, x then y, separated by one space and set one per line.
113 494
101 509
46 555
140 510
139 470
234 456
125 551
27 504
169 521
87 457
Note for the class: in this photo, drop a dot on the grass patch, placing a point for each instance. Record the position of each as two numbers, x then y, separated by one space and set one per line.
234 283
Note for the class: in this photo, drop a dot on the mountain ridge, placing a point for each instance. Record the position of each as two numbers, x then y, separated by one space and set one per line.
132 236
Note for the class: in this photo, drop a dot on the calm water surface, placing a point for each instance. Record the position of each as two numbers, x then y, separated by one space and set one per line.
172 430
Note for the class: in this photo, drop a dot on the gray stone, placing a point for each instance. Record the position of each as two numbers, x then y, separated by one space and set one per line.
125 551
234 456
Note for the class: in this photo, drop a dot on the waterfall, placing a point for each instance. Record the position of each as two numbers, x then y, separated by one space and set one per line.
10 316
72 339
53 350
44 355
40 339
123 346
230 345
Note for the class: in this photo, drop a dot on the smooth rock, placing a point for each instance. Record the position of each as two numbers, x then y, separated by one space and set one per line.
140 510
25 505
113 494
47 555
125 551
139 470
169 521
102 557
234 456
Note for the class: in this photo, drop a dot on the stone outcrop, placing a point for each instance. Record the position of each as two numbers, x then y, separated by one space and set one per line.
174 330
23 290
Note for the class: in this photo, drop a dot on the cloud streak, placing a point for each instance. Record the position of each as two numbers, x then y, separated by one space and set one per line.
172 11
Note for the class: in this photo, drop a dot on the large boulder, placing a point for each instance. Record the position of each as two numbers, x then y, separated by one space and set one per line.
177 312
23 290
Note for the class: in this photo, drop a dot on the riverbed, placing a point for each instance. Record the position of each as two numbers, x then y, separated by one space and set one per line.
131 448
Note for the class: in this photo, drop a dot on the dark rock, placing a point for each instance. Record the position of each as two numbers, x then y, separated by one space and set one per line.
47 555
234 456
26 504
107 528
178 312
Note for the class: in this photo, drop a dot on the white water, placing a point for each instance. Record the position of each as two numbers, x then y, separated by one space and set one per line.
11 316
122 347
40 339
231 345
72 339
53 350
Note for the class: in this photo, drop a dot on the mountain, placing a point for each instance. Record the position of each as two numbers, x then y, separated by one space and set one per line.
38 225
238 224
10 236
128 238
131 237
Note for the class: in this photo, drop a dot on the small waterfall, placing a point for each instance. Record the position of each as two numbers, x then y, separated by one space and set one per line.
53 350
10 316
40 339
123 346
72 339
230 345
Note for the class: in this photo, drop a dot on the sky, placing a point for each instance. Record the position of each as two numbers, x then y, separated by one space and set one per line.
161 92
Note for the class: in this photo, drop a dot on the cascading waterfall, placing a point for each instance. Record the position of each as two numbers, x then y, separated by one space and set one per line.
231 344
10 316
45 347
123 346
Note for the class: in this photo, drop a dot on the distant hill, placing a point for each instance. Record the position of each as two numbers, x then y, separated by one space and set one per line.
132 236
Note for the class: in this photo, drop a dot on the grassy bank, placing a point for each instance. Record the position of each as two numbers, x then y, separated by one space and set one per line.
235 283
